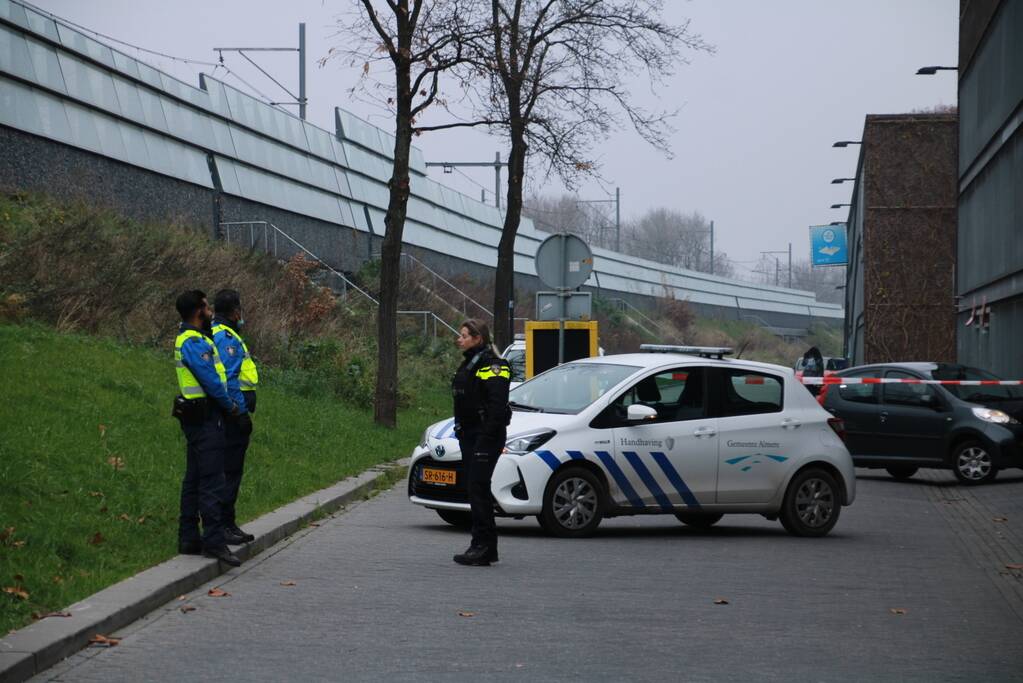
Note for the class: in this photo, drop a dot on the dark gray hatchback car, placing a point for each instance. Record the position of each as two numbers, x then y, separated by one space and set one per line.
972 430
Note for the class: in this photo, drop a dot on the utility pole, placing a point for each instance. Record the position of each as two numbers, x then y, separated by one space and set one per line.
449 166
618 215
777 264
300 99
712 247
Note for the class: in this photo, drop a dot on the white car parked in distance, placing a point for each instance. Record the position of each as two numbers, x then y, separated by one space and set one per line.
685 432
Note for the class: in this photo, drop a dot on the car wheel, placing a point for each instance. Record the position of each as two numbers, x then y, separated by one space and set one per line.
458 518
812 505
699 520
573 503
972 463
901 472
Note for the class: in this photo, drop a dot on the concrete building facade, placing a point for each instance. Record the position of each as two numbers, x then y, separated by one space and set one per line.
901 231
989 278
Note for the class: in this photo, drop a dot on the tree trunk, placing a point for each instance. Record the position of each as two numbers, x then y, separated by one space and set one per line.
385 405
504 280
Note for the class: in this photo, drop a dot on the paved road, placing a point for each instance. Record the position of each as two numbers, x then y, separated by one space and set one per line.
376 597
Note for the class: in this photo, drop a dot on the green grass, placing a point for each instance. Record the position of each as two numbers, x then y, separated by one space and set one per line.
91 461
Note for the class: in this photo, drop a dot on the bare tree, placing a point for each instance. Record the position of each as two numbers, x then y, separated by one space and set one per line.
553 77
422 39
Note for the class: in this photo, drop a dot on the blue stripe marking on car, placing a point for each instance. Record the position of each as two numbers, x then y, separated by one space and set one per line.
576 455
648 479
676 480
439 434
549 458
623 483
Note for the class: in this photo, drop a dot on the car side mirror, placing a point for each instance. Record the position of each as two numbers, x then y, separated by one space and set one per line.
931 401
640 413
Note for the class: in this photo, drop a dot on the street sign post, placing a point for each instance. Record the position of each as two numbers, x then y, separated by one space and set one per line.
828 246
563 262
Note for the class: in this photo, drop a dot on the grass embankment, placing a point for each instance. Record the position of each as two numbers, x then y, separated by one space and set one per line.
90 459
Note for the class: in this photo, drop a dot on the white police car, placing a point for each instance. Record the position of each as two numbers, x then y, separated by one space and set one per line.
684 432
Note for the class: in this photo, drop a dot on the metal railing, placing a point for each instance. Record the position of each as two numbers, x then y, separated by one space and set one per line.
271 231
438 276
624 306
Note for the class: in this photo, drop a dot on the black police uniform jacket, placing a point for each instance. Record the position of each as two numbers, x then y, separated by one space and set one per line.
480 392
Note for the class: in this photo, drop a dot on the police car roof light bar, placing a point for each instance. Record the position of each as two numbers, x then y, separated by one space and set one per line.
718 352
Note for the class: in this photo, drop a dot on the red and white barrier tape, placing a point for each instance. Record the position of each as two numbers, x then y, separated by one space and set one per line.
895 380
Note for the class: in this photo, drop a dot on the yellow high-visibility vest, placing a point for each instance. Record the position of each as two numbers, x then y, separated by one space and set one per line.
187 383
248 376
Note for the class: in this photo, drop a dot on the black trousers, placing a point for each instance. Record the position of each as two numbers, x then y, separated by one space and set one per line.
479 468
236 444
203 484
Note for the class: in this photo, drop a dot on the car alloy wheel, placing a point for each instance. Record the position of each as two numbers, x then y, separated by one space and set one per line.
811 506
972 464
573 503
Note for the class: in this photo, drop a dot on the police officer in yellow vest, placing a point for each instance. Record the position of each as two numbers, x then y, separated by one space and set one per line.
242 379
201 407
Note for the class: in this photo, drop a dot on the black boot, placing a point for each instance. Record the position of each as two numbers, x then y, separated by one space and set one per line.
224 554
235 536
477 556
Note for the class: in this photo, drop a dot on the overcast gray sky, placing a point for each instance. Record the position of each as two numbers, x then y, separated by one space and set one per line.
753 148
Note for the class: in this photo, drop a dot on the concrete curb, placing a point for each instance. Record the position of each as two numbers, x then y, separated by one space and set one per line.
39 646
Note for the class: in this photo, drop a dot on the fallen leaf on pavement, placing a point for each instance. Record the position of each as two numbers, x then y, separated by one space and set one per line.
182 597
287 583
104 641
466 614
1000 519
185 609
720 601
19 593
218 593
897 610
96 539
314 524
1014 565
55 614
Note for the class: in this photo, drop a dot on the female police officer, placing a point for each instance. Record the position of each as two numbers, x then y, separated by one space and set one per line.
480 391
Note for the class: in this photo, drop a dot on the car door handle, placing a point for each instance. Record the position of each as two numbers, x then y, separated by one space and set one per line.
884 416
790 423
704 431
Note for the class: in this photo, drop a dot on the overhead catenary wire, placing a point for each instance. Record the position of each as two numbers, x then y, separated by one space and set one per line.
183 60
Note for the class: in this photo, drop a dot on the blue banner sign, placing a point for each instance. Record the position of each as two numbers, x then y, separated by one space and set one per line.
828 245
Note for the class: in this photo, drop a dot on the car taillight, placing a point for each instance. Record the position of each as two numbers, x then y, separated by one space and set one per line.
838 425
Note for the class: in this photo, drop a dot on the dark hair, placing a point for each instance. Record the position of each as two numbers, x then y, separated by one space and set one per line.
478 328
226 302
189 302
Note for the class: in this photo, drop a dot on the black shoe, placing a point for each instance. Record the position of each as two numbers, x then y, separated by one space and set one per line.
190 547
235 536
476 556
223 554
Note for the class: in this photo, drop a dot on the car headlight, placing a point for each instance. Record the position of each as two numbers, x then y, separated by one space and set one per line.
996 416
527 443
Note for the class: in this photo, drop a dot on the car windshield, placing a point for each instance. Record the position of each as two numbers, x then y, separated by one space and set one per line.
974 394
568 388
837 364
